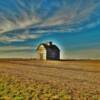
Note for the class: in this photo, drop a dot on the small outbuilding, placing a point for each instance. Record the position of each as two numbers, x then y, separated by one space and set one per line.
48 51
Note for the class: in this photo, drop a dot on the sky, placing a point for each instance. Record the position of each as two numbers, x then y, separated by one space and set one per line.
73 25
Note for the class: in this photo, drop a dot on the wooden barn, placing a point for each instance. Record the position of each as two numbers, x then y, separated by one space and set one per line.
48 51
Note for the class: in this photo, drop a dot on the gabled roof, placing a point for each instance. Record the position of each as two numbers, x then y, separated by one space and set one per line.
52 47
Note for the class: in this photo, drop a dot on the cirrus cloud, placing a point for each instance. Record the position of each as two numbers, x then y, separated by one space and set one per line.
63 15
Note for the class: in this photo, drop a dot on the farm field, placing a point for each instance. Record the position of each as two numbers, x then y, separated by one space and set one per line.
27 79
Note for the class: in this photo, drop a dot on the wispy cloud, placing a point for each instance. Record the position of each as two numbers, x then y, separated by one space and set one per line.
18 37
72 18
61 15
17 52
14 48
17 16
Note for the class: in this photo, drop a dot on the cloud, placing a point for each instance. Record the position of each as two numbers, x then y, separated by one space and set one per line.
72 18
8 39
16 52
27 36
64 15
14 48
18 37
41 17
16 17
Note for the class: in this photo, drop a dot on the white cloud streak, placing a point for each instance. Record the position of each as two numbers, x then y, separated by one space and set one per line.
71 16
18 38
67 18
8 48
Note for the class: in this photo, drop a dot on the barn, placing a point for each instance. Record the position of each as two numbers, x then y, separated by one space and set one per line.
48 51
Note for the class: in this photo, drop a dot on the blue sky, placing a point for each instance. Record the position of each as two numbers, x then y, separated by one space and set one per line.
73 25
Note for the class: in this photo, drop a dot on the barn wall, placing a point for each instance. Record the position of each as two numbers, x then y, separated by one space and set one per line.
42 52
53 55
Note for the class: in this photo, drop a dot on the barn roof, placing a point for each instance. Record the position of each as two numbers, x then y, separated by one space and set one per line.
52 46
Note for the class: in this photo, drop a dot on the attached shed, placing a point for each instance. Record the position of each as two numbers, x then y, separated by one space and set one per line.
48 51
